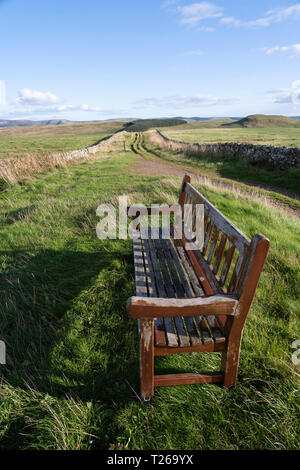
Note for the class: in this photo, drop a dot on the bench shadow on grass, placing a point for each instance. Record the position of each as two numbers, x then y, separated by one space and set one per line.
44 295
54 304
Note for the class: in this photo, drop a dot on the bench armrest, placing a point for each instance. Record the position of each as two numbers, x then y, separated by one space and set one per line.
152 307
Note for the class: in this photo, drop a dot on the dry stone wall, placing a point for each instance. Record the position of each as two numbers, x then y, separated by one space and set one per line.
15 169
276 158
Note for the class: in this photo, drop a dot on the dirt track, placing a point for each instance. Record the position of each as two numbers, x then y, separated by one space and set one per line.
144 166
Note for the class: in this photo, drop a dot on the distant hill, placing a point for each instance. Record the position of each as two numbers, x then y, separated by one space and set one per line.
141 125
196 118
215 122
264 121
26 123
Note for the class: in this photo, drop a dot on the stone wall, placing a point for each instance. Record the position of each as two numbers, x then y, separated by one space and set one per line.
16 169
275 158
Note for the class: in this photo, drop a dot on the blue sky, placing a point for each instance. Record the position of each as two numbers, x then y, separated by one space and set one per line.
96 59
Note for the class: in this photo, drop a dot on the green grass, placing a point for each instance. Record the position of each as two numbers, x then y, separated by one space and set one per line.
18 146
90 127
289 137
238 170
265 121
73 370
141 125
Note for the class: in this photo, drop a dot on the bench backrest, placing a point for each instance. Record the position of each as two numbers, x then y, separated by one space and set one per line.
227 251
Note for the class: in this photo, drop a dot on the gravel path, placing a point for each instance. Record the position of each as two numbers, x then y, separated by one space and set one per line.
143 166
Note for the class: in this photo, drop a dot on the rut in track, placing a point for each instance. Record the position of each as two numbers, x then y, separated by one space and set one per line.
156 167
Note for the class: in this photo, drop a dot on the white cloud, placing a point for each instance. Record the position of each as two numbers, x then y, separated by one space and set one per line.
36 98
230 20
277 16
177 101
169 3
288 95
196 12
294 49
82 107
46 102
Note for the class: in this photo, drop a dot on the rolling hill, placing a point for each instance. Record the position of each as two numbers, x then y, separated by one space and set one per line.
264 121
29 123
141 125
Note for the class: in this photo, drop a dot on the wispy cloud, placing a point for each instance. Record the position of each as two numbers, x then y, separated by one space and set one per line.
47 102
177 101
287 95
230 20
277 16
169 3
196 13
294 50
193 14
36 98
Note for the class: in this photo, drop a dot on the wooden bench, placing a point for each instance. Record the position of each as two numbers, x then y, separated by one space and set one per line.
195 300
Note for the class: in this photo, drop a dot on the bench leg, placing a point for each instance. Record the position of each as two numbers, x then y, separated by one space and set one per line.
147 359
230 364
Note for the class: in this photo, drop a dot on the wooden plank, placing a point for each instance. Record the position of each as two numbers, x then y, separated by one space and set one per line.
139 269
139 272
220 254
182 194
204 331
216 332
206 347
193 280
213 246
147 359
200 265
189 322
178 290
235 235
182 275
235 275
247 286
150 307
206 220
159 328
184 379
170 331
227 264
208 238
173 285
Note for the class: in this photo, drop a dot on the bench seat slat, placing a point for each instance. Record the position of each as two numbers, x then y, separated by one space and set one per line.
217 334
172 285
195 339
169 328
159 328
163 269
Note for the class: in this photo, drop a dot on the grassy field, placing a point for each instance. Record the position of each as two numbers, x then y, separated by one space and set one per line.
196 132
234 169
19 141
19 146
72 376
103 127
